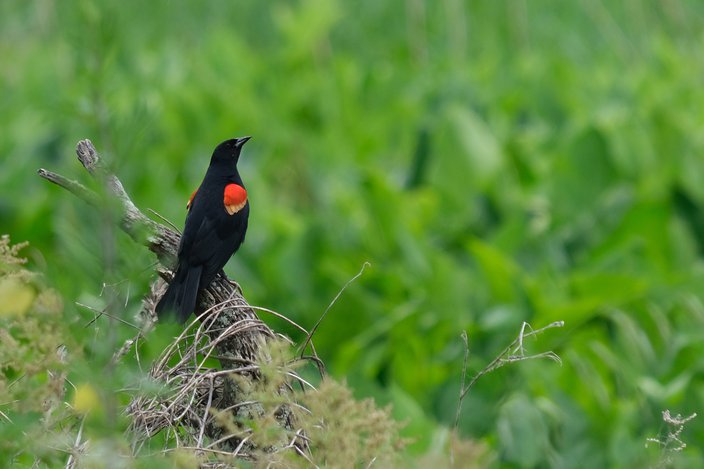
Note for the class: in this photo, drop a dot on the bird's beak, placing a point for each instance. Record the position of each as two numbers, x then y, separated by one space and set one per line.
241 141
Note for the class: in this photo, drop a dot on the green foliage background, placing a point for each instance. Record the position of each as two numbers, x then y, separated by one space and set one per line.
495 162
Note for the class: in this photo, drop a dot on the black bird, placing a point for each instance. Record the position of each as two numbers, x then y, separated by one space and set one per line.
215 227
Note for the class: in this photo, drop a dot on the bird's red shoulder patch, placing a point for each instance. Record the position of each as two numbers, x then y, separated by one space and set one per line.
190 200
235 198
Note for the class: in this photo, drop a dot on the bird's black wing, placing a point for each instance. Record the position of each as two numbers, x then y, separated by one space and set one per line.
214 241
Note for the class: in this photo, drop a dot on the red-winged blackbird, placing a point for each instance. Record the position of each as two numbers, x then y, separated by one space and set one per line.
215 227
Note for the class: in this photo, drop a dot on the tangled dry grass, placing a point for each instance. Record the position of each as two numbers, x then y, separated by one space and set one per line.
211 409
261 411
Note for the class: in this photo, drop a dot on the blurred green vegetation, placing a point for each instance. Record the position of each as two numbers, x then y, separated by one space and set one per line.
495 162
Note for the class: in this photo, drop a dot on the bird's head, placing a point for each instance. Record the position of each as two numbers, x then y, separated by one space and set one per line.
229 150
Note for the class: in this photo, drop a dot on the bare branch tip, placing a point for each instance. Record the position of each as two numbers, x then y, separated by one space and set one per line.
49 175
85 146
87 154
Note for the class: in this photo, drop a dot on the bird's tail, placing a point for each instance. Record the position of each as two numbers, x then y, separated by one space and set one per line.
180 297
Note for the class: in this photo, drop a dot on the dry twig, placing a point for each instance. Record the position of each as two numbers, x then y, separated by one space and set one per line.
514 352
671 443
325 313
